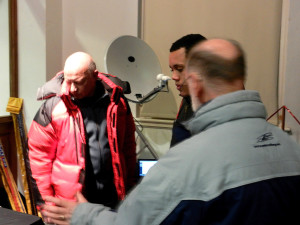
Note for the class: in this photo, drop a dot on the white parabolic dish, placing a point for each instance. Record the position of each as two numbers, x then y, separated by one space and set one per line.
133 60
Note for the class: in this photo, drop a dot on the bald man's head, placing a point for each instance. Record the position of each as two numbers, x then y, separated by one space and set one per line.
80 75
218 59
214 67
79 61
223 48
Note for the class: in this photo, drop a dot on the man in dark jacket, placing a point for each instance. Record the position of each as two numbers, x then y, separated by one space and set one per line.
83 136
177 58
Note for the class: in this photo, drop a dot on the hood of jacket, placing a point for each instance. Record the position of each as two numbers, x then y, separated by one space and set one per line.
55 87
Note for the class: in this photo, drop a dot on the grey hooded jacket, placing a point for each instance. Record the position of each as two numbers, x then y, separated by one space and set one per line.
235 169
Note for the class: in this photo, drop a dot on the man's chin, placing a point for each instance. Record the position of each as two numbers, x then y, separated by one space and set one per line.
183 95
76 97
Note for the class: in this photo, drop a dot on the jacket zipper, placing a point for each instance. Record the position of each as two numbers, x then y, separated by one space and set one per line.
76 147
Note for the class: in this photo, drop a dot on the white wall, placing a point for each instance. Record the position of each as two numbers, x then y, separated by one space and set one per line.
254 23
32 53
92 27
53 40
290 58
49 31
4 57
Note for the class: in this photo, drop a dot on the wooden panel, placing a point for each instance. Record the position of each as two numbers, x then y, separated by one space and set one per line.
7 138
13 48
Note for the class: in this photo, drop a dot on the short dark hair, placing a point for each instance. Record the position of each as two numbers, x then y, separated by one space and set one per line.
187 42
213 66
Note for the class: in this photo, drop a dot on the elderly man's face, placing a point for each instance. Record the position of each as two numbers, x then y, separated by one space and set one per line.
81 85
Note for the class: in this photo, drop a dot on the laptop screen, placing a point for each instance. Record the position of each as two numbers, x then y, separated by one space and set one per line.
145 165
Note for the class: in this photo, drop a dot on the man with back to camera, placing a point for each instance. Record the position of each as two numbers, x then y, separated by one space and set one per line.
83 136
177 57
235 169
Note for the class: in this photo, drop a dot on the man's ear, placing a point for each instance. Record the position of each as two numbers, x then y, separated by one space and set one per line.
196 83
95 74
65 88
194 77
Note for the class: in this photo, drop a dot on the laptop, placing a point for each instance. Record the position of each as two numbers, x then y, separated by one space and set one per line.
144 165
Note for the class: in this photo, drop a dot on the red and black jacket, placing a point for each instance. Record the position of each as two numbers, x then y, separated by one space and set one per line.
57 143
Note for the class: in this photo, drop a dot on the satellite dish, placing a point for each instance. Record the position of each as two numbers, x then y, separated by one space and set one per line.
132 60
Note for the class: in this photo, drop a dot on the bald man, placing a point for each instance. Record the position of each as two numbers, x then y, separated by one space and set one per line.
235 169
82 138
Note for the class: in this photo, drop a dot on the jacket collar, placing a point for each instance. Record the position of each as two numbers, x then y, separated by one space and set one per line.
233 106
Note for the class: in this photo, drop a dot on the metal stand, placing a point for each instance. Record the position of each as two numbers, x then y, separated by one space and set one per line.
163 82
283 108
145 141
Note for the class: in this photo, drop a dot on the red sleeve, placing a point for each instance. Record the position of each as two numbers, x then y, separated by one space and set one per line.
130 152
42 143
